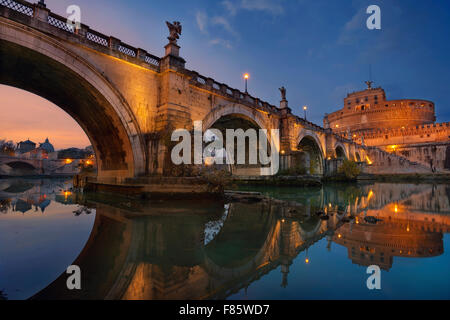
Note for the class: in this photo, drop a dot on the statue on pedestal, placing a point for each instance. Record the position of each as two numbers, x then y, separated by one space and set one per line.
369 84
175 31
283 93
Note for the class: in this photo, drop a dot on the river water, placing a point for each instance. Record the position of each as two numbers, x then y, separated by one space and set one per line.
215 250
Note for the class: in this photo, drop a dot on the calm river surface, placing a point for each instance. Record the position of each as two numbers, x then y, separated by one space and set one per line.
214 250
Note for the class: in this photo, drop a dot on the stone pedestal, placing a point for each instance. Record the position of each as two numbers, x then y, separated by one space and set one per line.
172 49
172 58
41 12
283 104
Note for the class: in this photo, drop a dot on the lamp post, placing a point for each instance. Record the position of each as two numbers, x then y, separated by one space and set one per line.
304 109
246 76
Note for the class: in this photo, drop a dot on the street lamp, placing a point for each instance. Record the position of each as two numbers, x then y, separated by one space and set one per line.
304 109
246 76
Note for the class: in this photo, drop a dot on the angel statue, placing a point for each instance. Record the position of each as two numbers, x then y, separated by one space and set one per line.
175 31
283 93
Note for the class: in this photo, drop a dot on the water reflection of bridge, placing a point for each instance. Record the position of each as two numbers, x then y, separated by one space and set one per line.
21 195
162 253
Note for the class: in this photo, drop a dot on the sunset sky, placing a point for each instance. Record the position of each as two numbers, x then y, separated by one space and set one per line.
319 50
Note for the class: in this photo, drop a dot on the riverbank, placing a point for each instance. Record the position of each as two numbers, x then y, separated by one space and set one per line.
279 181
407 177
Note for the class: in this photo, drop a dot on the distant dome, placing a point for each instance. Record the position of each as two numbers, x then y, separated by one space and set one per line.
47 146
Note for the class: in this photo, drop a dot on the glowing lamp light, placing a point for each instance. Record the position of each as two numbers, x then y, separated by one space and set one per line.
305 108
337 126
282 151
88 162
306 260
393 147
339 236
246 76
69 161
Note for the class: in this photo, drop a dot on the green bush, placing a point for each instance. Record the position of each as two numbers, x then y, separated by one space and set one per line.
349 169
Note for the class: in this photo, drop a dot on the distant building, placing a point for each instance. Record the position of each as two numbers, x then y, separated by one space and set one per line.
47 146
25 146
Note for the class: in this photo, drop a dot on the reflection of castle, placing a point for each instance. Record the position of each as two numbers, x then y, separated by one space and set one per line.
369 244
405 127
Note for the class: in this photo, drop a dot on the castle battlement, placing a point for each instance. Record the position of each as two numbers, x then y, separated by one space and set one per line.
369 109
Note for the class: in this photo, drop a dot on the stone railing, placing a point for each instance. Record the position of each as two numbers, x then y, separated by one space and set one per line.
226 91
94 39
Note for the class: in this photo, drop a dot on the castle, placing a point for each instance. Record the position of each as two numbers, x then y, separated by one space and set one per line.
406 127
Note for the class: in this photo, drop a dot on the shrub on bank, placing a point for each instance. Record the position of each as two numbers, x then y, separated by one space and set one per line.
349 169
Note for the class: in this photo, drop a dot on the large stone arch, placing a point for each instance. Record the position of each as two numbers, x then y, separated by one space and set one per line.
312 135
339 147
228 110
309 148
239 117
35 62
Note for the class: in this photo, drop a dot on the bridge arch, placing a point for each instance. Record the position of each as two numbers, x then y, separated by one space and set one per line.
235 110
21 164
37 63
340 151
310 152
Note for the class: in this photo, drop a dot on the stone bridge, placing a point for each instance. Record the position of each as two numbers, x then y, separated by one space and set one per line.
126 99
16 166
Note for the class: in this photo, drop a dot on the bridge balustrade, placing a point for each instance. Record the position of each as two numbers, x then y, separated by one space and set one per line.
93 37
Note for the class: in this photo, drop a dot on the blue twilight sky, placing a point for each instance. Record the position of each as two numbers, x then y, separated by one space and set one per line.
319 50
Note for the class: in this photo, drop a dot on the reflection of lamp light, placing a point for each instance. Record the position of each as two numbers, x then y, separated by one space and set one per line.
395 208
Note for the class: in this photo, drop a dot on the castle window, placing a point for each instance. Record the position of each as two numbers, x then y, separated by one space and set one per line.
386 105
362 108
357 100
366 99
386 137
376 97
349 102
